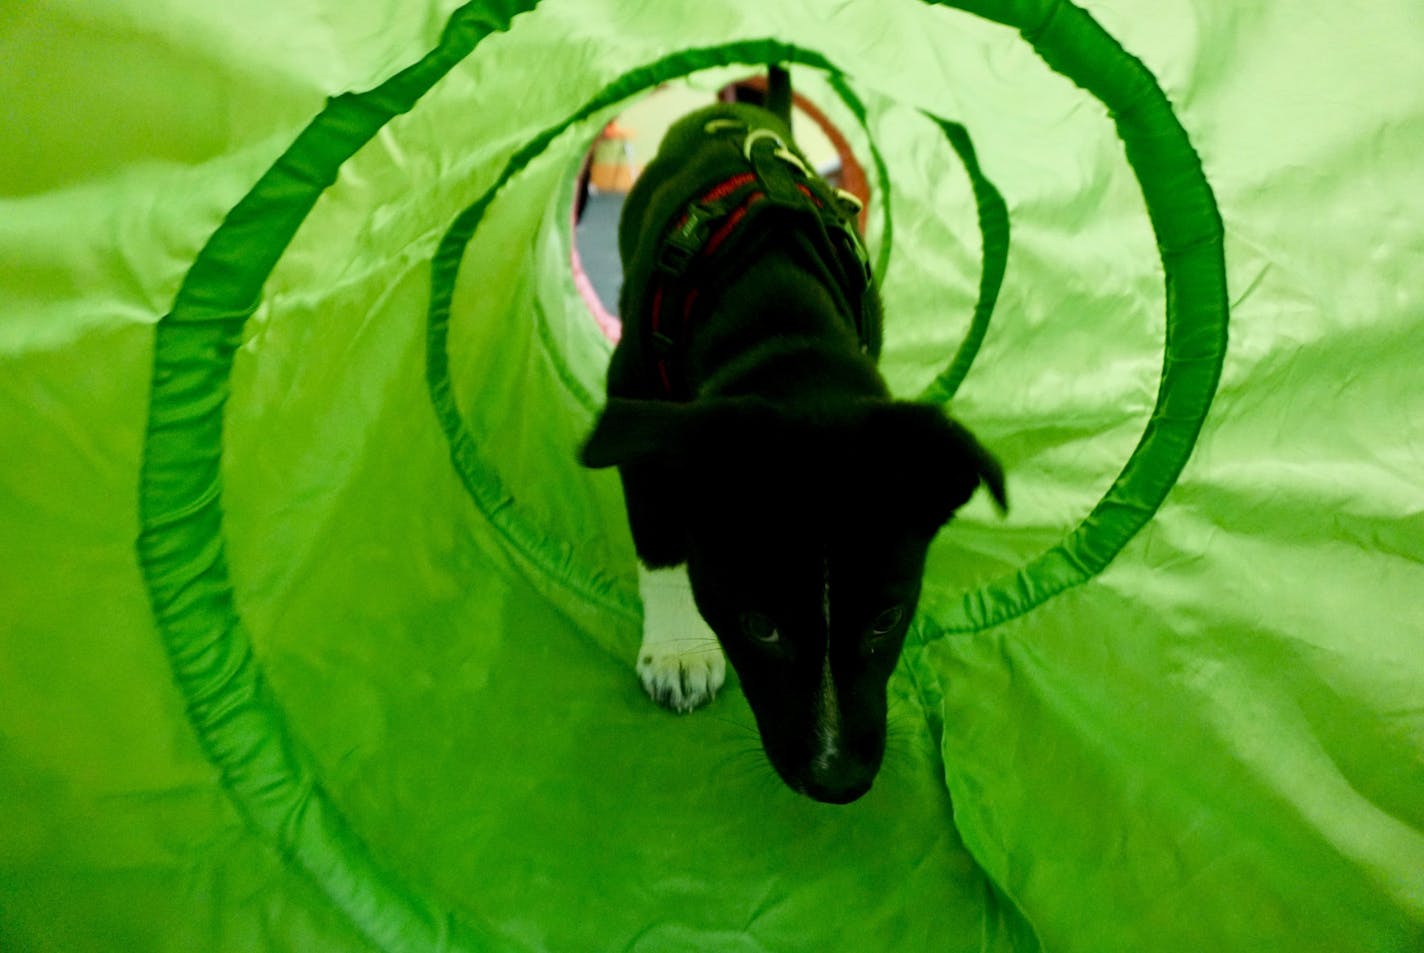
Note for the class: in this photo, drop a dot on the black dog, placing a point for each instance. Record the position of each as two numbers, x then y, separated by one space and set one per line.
759 447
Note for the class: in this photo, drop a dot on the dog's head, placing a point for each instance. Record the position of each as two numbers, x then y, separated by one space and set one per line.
805 541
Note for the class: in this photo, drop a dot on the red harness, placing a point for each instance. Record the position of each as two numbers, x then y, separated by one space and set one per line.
709 222
716 227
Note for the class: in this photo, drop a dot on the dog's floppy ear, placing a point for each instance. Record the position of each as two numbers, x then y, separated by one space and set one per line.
941 463
966 449
635 431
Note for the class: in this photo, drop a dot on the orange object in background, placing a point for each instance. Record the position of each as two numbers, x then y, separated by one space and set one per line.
612 168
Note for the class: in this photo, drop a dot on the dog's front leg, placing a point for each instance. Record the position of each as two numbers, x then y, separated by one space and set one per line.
680 662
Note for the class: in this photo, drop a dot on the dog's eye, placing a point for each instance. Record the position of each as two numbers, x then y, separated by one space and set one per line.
759 628
886 621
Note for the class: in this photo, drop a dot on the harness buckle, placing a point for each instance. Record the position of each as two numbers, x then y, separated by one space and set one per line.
686 240
850 203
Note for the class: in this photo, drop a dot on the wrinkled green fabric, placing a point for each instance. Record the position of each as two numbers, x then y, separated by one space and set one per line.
313 635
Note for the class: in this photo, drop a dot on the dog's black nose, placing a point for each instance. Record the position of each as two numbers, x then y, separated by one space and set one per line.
831 777
838 778
843 793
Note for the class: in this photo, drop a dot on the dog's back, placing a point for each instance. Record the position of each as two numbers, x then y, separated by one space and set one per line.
737 165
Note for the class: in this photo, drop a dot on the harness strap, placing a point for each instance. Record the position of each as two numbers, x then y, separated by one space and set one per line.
713 233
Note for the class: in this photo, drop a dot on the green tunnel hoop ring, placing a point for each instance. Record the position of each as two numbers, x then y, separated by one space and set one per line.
1185 220
480 479
1188 228
180 549
240 726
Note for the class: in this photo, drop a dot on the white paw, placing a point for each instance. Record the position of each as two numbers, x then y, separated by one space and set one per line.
682 678
680 662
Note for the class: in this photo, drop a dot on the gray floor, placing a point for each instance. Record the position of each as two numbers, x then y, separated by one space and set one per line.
597 238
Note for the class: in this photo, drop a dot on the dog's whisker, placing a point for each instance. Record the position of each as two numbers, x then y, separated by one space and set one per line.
754 770
742 728
747 756
743 764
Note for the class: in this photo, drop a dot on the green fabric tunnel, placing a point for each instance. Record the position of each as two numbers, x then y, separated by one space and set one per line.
313 635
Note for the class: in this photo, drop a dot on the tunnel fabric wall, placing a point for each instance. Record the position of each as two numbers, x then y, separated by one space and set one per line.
313 636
